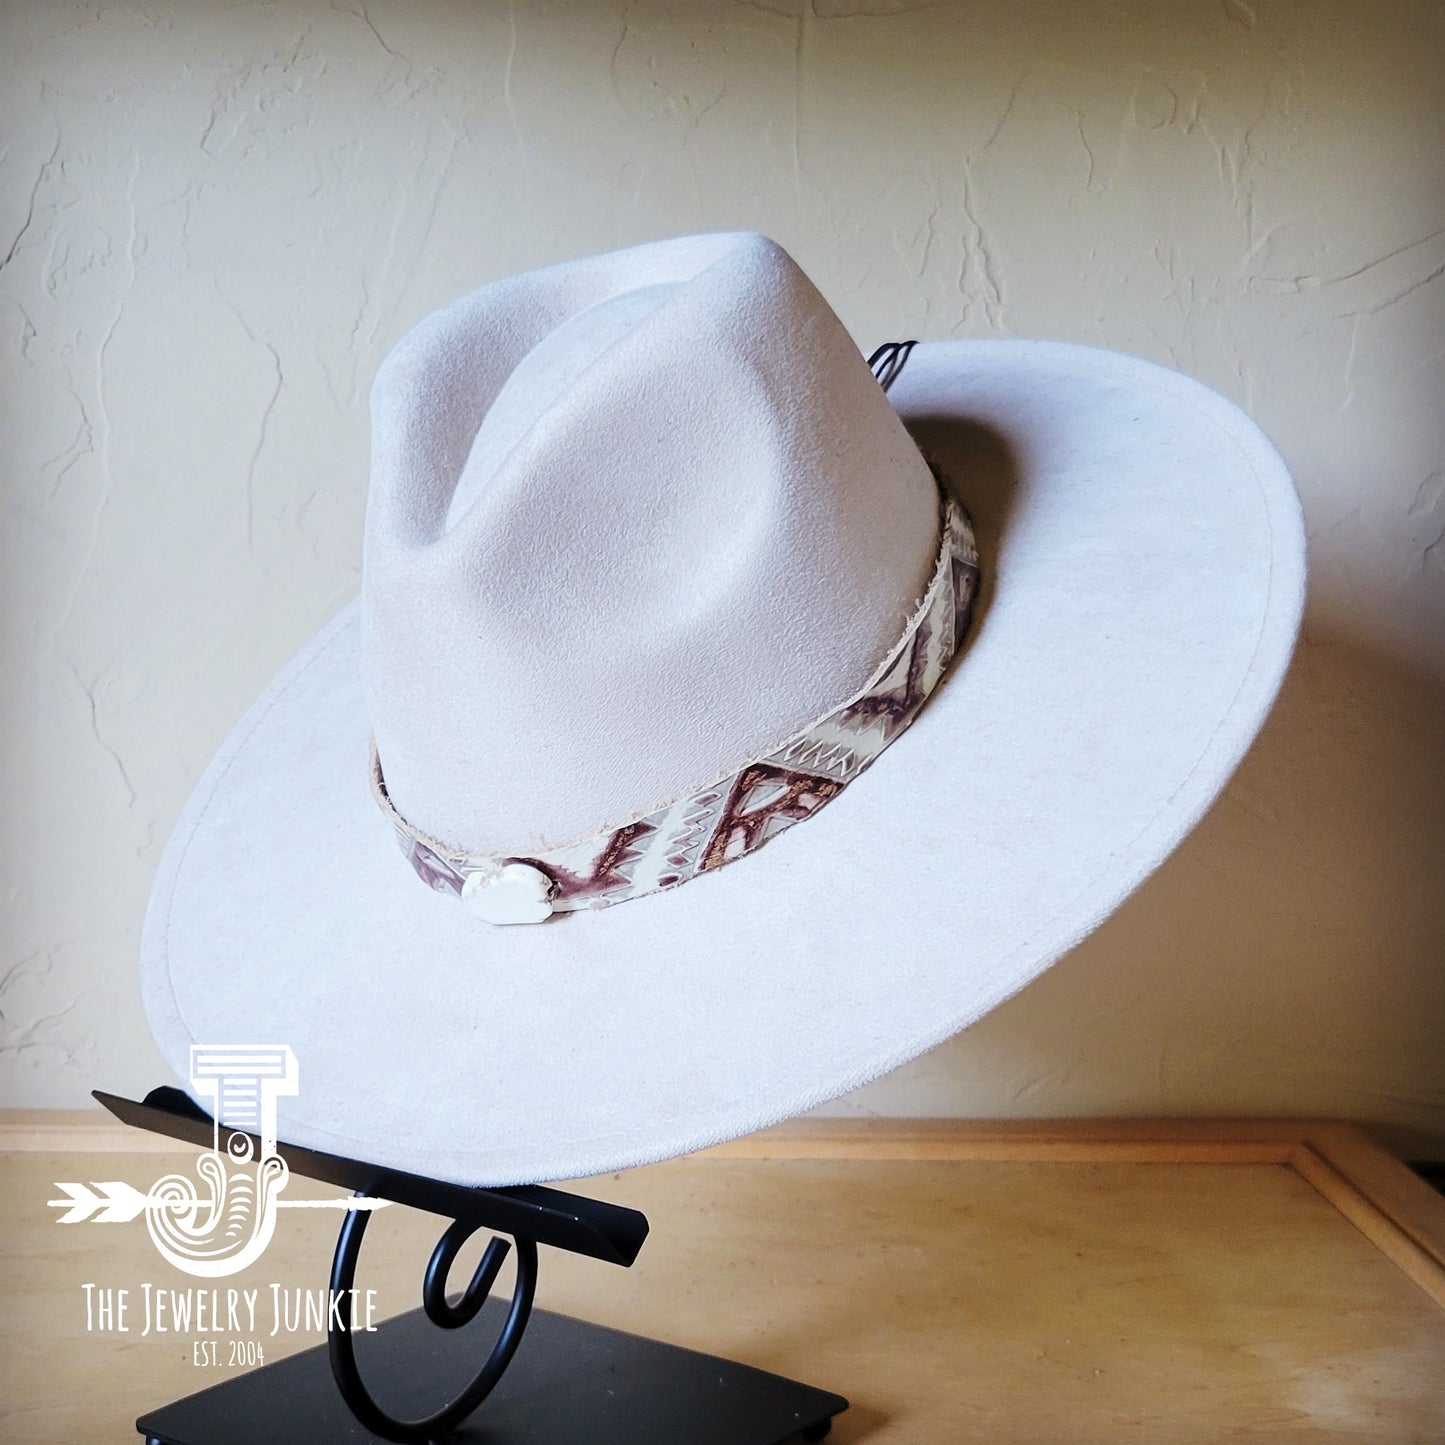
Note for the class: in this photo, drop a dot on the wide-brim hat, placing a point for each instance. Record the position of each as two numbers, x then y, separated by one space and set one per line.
640 526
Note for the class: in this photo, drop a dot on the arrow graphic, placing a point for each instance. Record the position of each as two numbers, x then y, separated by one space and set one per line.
119 1203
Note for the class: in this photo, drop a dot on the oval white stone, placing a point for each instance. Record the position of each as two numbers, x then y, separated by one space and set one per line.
516 893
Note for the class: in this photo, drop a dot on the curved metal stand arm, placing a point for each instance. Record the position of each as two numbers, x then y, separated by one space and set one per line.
445 1316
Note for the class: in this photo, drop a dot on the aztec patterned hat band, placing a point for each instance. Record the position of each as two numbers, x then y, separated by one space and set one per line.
732 815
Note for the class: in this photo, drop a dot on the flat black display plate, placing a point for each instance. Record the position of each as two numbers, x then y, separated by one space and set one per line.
571 1383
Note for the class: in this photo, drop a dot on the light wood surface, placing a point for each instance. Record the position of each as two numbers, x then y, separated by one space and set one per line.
1039 1282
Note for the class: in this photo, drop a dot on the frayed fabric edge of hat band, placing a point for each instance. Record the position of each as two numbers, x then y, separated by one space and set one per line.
735 815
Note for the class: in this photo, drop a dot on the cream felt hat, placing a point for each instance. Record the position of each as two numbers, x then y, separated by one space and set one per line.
656 574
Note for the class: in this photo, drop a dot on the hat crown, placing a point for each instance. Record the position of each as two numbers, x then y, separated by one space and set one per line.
634 521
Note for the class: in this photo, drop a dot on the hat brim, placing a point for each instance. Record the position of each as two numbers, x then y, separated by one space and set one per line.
1143 560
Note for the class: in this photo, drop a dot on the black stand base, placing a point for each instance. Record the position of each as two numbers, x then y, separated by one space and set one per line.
567 1383
571 1383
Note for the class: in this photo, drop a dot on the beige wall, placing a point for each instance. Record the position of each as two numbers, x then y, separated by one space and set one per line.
223 214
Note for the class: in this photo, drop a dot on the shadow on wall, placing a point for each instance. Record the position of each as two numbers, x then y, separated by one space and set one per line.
1291 947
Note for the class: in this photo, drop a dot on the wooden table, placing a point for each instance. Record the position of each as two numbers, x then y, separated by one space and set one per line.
1064 1282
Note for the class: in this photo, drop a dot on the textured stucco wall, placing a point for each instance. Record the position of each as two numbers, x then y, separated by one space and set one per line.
219 216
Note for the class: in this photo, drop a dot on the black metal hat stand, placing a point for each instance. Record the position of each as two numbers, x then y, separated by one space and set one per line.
548 1379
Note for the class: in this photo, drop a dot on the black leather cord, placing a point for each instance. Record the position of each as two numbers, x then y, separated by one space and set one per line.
889 360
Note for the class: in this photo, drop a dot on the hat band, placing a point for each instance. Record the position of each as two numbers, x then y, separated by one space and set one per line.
732 816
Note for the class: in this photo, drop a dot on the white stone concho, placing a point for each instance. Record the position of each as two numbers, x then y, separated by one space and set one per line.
734 815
